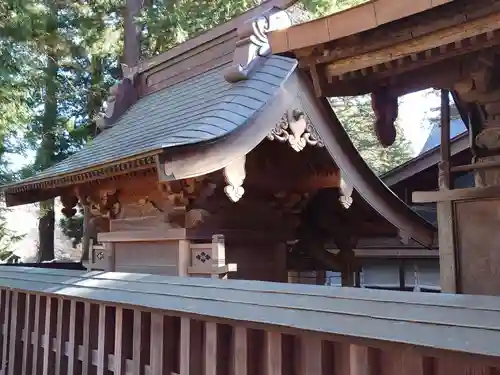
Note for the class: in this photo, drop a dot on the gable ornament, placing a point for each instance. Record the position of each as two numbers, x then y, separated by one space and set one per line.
253 45
122 96
296 129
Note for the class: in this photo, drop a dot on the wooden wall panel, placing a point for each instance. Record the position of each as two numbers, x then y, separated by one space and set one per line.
478 239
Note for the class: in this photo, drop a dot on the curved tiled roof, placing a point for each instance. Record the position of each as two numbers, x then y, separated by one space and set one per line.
199 109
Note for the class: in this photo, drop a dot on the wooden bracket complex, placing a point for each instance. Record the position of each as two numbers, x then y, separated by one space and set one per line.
253 44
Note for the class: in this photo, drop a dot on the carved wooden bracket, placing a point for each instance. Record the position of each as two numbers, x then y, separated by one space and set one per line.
235 174
297 130
181 197
253 43
385 107
69 203
346 190
122 96
107 205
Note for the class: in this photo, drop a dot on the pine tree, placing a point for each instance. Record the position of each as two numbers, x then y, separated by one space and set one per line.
357 116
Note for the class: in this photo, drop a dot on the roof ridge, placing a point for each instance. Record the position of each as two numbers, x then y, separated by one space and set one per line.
211 34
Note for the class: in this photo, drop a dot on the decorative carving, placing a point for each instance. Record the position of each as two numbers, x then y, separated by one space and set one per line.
489 139
195 217
107 205
346 190
253 44
122 96
385 107
235 174
203 257
69 203
182 198
297 130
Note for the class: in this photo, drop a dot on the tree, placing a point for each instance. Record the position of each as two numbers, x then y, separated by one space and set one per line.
357 116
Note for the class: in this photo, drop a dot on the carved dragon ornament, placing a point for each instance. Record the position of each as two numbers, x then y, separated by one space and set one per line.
253 45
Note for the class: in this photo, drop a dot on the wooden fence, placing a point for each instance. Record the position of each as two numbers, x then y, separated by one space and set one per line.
71 322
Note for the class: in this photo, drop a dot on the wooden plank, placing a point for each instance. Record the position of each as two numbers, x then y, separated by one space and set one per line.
210 348
416 45
118 354
174 234
47 336
87 353
5 348
456 194
59 348
72 338
28 328
185 346
311 355
17 310
402 360
136 345
101 340
239 358
37 333
273 356
157 346
364 360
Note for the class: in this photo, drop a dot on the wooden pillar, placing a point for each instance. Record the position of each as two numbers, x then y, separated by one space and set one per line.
445 210
468 228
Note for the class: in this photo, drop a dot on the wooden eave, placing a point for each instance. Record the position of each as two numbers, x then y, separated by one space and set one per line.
345 60
33 190
346 23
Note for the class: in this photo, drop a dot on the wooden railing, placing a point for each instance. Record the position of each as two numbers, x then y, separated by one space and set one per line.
70 322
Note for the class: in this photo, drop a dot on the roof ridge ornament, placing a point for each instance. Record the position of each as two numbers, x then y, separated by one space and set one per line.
122 95
296 129
252 44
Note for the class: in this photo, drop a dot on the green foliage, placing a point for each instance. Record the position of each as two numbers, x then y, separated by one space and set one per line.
73 227
357 117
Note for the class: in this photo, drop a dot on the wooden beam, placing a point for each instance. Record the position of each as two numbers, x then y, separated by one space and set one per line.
456 194
348 22
402 79
399 31
486 25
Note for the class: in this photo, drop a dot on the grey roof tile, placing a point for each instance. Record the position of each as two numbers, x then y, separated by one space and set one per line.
199 109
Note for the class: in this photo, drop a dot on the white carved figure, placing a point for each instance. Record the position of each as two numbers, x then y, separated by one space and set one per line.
346 189
235 174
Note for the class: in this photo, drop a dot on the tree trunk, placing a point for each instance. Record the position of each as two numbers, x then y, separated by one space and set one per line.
48 145
46 223
86 234
132 33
